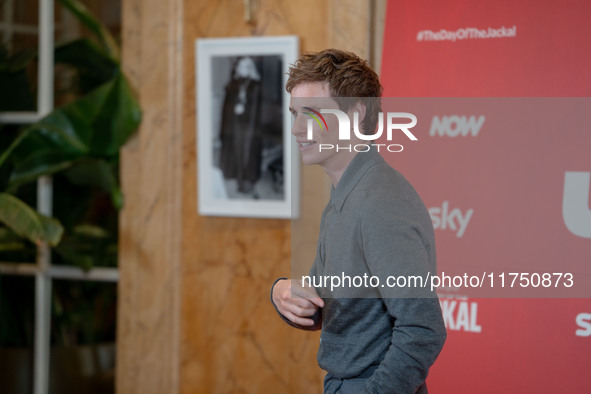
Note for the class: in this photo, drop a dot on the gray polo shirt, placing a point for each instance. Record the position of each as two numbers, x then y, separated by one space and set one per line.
376 224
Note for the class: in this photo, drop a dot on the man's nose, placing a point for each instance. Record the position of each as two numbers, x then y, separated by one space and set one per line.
298 126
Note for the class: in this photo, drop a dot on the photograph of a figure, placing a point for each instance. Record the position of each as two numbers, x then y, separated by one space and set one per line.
247 161
248 127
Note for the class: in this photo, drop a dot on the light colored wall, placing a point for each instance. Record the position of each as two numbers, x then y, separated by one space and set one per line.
194 311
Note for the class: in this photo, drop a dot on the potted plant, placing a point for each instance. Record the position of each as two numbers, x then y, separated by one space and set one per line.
78 145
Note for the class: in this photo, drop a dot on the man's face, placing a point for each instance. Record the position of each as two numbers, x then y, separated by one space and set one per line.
319 95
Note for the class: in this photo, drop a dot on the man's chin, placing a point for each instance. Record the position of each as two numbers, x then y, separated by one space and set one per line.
309 160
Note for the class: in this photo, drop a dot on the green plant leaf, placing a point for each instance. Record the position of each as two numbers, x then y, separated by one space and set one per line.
15 144
86 247
27 222
93 67
9 241
98 173
86 18
70 251
94 126
68 129
12 246
44 163
118 118
92 231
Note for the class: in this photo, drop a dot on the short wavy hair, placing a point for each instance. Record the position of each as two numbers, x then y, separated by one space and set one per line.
347 75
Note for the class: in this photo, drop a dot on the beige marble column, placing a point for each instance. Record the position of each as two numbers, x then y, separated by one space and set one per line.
151 221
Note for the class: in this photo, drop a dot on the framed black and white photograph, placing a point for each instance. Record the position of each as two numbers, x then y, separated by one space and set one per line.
247 163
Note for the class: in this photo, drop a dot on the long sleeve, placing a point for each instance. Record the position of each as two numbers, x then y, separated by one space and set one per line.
398 241
417 338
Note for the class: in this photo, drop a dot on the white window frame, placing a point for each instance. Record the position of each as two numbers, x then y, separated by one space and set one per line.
42 269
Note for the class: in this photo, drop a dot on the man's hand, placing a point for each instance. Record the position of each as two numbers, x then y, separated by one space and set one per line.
295 302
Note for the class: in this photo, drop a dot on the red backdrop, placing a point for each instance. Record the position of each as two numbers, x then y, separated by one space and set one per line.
524 48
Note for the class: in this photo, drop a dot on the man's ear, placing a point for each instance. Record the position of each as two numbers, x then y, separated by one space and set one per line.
361 109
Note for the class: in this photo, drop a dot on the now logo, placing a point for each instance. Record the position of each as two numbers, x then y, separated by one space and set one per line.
575 203
455 126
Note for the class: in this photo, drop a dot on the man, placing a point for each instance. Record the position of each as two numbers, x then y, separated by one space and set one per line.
383 340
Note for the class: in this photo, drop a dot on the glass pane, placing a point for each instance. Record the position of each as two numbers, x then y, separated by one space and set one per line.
88 216
17 312
19 20
23 41
83 329
14 248
26 12
106 11
18 44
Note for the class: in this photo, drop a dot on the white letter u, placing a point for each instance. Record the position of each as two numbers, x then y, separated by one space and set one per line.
575 203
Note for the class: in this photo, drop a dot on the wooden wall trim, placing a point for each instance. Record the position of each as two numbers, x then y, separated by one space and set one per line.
378 24
358 26
349 27
151 222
